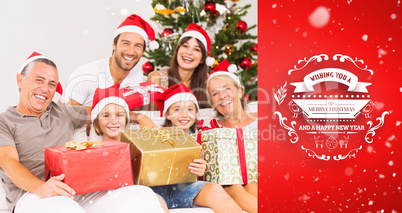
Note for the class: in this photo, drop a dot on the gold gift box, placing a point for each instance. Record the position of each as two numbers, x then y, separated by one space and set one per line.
161 156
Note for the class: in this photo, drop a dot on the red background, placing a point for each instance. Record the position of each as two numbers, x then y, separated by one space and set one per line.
291 181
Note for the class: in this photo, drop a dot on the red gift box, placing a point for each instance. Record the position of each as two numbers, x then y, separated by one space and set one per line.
145 94
93 169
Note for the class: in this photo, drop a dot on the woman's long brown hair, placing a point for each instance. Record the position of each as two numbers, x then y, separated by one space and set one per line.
199 78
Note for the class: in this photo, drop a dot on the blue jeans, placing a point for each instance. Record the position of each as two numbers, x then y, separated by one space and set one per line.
180 195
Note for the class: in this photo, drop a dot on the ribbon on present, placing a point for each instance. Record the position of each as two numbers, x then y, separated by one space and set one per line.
144 94
83 145
242 155
166 137
213 124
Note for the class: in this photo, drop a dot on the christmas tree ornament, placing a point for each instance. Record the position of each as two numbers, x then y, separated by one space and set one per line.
245 63
215 14
242 26
254 49
148 67
229 49
247 97
210 7
167 31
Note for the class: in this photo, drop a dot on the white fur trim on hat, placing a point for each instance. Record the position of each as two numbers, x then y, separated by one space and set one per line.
104 102
198 36
232 75
183 96
132 29
29 61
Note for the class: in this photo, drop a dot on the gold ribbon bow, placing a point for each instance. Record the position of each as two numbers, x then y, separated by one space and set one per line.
166 137
83 145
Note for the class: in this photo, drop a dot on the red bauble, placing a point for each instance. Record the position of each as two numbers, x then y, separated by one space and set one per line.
166 32
245 63
254 49
210 7
242 26
148 67
214 14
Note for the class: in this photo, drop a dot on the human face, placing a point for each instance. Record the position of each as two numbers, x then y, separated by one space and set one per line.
182 114
112 120
189 55
37 89
128 50
225 96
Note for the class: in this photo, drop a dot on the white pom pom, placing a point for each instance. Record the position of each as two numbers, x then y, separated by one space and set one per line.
153 45
210 61
232 68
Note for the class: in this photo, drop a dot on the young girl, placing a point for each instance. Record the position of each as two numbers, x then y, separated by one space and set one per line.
179 105
110 116
226 95
189 64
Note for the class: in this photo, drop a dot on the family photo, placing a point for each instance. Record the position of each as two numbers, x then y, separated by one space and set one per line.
129 106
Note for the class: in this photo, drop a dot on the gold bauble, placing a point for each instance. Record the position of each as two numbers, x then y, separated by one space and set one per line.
229 49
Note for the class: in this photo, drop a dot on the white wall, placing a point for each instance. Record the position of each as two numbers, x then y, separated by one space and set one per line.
70 32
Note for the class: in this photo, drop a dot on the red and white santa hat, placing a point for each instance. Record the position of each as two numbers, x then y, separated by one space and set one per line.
103 97
33 57
135 24
194 30
175 93
225 68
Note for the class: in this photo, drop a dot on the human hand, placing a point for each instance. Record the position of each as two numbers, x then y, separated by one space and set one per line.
198 167
55 187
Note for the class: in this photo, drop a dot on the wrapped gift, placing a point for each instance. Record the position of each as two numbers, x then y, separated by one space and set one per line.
161 156
231 155
145 93
90 166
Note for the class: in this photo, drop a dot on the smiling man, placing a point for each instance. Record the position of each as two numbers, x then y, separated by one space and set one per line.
129 44
36 123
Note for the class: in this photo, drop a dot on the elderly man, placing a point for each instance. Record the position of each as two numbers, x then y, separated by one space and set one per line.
129 44
36 123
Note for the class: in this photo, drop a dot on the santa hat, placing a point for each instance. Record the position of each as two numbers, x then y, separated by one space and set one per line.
225 68
103 97
177 92
135 24
33 57
194 30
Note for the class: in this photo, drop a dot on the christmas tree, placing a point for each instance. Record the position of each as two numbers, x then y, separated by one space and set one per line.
228 32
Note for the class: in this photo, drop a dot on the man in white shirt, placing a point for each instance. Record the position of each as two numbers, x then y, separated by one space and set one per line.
128 47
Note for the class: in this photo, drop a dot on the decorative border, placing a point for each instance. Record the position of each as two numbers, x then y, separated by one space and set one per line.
313 58
342 58
291 130
312 154
372 130
350 154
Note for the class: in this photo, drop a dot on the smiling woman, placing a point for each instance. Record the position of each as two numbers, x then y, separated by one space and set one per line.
226 95
189 64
